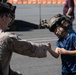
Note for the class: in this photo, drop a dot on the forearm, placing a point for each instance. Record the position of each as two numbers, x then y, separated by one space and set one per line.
40 50
69 11
72 53
54 53
67 52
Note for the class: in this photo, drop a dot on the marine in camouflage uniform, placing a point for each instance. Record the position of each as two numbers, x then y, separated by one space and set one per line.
10 42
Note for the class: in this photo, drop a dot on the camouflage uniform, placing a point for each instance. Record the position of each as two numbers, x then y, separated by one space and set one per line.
10 43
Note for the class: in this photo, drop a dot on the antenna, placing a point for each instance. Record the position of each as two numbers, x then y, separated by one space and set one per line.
39 16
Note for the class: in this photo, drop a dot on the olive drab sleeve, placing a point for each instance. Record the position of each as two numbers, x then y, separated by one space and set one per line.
23 47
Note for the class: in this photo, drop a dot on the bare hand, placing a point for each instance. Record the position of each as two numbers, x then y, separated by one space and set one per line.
61 50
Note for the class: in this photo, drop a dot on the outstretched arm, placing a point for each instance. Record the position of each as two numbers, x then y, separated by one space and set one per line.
27 48
52 52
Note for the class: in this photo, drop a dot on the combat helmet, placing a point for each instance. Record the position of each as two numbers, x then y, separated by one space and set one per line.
59 20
